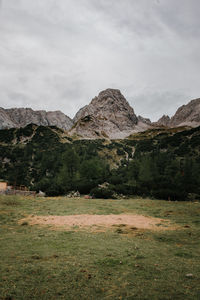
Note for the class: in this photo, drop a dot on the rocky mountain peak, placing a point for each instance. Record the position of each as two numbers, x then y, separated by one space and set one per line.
109 101
110 97
163 121
187 115
110 115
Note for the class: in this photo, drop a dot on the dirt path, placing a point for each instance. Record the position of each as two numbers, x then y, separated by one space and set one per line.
138 221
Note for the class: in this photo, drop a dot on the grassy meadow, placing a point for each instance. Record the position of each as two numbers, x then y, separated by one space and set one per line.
44 262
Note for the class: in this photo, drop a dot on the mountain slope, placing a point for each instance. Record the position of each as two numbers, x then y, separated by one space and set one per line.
108 115
187 115
20 117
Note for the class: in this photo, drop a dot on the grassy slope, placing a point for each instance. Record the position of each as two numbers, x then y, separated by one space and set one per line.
38 263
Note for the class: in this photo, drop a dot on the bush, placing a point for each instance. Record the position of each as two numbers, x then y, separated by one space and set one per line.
104 193
125 189
54 190
168 194
120 152
84 186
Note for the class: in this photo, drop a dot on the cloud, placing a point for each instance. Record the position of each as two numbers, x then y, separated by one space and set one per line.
58 55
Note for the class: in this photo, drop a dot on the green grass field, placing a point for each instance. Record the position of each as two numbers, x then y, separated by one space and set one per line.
42 262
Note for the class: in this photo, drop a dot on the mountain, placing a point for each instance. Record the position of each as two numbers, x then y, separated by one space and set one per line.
20 117
163 121
108 115
187 115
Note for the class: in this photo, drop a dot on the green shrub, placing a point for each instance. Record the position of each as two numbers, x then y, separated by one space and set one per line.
120 152
103 193
168 194
125 189
84 186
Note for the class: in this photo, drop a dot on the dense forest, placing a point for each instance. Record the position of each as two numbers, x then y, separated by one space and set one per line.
159 163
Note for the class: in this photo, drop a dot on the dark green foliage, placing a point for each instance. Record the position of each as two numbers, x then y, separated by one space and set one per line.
195 141
125 189
7 135
84 186
166 166
43 137
144 146
169 194
25 131
120 151
103 193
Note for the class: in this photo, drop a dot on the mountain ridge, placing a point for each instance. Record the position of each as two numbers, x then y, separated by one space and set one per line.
108 115
21 117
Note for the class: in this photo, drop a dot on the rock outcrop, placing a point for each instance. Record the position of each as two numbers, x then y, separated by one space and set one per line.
144 120
20 117
5 120
187 115
108 115
163 121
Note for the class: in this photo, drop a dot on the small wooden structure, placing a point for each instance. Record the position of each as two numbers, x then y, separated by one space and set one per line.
6 189
3 185
19 188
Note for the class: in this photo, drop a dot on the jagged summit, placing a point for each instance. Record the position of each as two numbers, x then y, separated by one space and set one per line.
108 102
163 121
187 115
108 114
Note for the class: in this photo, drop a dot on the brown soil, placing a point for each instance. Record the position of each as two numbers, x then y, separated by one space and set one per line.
137 221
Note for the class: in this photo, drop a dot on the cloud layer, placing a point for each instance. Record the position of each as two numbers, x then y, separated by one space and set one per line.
57 55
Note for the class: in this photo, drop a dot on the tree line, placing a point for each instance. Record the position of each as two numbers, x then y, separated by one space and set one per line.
164 168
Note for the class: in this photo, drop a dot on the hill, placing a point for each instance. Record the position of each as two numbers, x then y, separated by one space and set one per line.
162 163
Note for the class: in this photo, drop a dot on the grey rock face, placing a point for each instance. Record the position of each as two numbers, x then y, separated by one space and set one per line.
163 121
144 120
20 117
5 120
187 115
108 115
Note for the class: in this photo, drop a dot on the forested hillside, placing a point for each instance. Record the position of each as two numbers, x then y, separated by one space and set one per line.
162 163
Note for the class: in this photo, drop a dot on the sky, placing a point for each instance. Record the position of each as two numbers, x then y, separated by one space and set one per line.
59 54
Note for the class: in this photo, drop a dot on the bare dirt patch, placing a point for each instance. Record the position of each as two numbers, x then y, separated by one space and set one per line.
136 221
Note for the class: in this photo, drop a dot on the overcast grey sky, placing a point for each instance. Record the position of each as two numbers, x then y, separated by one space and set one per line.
59 54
